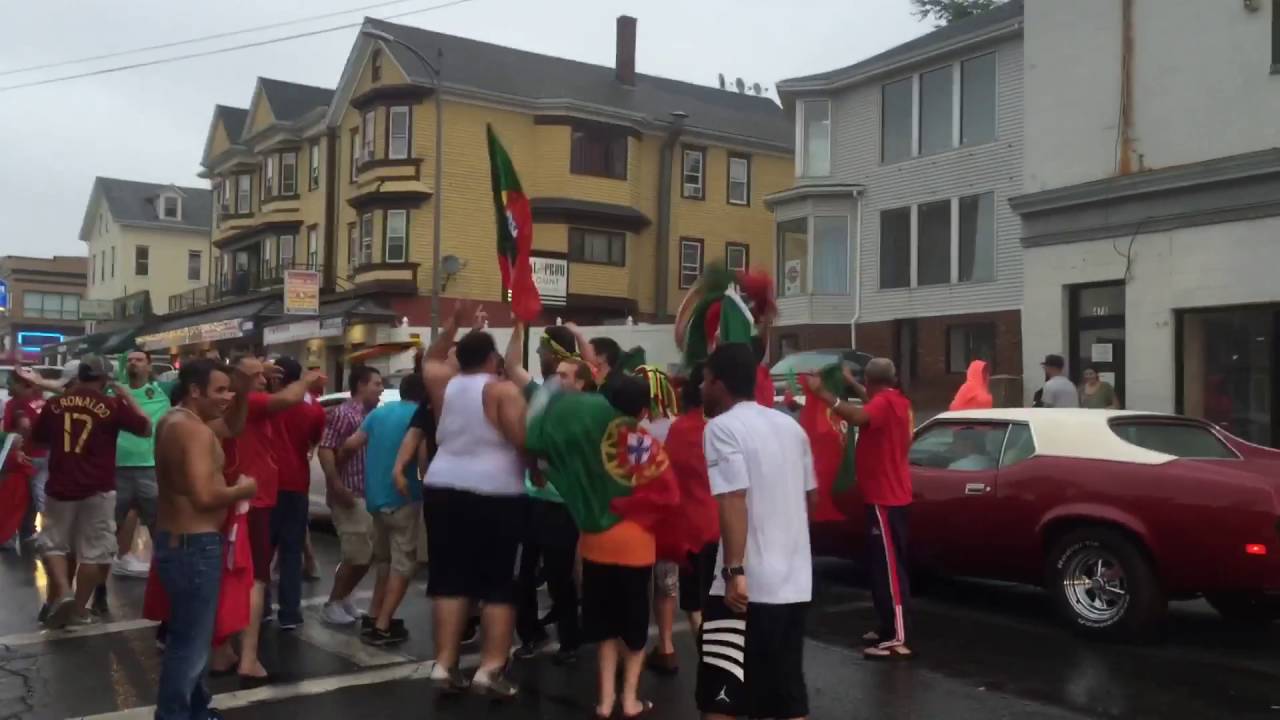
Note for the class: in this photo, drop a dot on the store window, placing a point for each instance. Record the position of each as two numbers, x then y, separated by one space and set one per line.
1228 369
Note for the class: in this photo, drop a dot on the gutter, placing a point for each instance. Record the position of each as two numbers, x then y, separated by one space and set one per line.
857 278
663 263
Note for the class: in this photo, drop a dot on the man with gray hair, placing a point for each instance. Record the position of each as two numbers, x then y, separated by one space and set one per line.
885 423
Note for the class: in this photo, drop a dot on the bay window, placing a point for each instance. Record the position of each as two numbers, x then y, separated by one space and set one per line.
313 248
286 252
831 255
814 145
395 233
366 238
367 133
289 173
793 257
398 132
244 193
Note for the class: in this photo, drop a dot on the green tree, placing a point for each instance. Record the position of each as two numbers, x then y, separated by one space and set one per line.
945 12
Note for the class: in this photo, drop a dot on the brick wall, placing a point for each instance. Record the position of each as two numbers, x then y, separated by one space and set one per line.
932 385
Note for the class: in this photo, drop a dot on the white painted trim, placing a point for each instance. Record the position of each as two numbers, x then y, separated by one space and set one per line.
914 253
955 241
955 105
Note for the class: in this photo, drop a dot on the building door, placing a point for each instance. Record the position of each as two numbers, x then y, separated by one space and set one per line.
1097 333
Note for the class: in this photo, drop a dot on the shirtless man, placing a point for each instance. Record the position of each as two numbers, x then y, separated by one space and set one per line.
192 506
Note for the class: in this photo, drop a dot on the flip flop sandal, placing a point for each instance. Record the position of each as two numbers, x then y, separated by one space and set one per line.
894 653
648 709
871 638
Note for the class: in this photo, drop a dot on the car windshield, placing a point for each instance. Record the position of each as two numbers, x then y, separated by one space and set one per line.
1184 440
807 361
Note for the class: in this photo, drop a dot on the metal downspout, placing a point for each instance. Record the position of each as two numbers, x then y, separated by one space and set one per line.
662 266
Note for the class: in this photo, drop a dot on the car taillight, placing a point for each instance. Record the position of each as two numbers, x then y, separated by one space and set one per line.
1255 549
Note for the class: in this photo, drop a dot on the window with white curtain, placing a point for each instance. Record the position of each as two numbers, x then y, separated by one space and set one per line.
398 132
816 143
366 238
831 255
395 235
692 185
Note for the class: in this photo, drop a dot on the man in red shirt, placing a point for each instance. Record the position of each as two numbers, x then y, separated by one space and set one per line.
885 425
254 453
300 428
20 415
80 429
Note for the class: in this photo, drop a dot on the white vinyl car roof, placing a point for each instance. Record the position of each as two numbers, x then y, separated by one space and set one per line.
1072 433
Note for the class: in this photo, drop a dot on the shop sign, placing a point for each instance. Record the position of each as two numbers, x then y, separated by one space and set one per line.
551 277
305 330
97 310
301 292
204 332
4 296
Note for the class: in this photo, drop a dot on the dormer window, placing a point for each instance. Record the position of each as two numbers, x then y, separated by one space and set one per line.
170 207
375 64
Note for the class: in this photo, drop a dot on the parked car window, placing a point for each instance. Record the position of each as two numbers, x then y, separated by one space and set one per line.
1018 446
1184 440
959 446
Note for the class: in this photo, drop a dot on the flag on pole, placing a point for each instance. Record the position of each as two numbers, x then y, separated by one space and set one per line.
515 232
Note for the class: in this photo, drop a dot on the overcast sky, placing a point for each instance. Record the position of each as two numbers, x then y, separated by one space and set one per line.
150 123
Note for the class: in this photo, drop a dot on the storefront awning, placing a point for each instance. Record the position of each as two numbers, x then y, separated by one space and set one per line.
224 323
331 322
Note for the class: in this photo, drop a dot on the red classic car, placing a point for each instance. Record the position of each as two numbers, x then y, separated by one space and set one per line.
1114 513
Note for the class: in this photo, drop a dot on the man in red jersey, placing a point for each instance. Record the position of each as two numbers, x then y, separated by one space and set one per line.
80 429
885 425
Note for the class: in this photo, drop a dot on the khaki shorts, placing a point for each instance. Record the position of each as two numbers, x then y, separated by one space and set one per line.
85 527
355 533
396 538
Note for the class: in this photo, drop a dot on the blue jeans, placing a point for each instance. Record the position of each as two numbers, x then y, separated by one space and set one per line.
190 569
289 535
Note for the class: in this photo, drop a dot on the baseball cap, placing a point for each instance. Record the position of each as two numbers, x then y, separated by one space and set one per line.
93 367
1054 361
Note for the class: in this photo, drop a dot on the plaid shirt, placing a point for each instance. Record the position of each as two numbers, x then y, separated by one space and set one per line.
341 424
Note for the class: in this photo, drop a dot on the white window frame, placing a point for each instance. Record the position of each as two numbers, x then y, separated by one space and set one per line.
225 200
745 182
403 236
198 257
313 248
802 141
957 109
269 177
355 154
694 270
313 165
368 135
366 239
746 255
289 173
177 206
244 193
698 190
286 261
141 259
954 244
353 246
398 144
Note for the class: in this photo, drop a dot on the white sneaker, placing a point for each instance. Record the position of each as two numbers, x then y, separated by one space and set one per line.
336 614
349 607
130 566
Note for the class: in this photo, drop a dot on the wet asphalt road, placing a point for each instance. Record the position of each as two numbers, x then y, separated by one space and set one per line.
985 651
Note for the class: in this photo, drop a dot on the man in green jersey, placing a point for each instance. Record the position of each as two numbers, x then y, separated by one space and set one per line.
136 464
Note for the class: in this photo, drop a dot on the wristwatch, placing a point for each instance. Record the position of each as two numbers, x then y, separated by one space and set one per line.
732 572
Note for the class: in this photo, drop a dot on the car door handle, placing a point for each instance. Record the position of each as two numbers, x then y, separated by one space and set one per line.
976 489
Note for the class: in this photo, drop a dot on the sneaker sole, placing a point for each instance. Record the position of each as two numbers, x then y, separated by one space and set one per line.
60 614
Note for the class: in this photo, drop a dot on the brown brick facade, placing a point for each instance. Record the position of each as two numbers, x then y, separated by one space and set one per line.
926 376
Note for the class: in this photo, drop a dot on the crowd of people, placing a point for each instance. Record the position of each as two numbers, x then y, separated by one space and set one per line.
632 495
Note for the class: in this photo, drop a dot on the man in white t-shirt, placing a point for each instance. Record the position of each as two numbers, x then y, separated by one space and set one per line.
761 471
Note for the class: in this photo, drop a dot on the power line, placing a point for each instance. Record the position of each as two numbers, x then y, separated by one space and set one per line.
189 41
220 51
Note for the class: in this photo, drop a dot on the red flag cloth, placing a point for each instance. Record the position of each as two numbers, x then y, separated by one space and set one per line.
764 386
684 447
827 436
233 591
15 497
515 232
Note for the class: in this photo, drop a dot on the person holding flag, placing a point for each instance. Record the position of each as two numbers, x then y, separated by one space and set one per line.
515 232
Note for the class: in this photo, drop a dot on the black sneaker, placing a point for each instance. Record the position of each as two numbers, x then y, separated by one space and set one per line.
100 606
368 623
565 657
531 650
472 633
394 635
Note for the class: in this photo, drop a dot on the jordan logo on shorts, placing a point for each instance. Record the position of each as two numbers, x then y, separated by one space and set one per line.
724 695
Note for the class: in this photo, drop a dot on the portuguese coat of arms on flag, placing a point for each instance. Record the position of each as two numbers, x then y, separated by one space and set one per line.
515 232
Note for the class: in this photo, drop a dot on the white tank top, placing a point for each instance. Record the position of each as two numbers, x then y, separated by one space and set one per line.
472 455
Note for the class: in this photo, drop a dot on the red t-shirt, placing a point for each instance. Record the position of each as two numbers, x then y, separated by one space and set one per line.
689 461
881 453
80 429
253 451
15 410
300 428
764 386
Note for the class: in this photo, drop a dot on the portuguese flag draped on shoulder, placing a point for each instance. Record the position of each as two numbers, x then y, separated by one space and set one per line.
515 232
607 468
831 442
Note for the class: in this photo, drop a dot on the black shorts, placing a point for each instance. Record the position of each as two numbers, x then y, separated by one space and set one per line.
615 604
752 665
696 579
473 543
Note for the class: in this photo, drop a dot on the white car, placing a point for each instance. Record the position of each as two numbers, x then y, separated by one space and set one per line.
317 491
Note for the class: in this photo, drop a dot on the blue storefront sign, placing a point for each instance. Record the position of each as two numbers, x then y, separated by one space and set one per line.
4 297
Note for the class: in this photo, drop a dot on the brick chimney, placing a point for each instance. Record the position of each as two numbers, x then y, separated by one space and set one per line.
625 65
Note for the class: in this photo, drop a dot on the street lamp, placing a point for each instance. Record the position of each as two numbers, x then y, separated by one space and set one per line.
439 189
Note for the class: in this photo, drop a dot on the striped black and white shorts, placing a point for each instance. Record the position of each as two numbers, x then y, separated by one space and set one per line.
752 665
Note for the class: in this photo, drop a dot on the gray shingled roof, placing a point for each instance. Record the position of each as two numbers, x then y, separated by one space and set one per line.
133 203
481 65
232 118
970 25
291 101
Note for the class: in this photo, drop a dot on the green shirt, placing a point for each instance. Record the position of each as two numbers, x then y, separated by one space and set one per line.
134 451
547 492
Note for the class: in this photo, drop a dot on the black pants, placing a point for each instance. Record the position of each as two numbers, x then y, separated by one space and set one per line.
890 587
551 537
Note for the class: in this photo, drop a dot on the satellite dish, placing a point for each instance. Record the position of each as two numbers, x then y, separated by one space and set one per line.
722 85
450 264
757 89
740 84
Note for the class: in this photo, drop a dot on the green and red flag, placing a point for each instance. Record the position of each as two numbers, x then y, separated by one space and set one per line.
831 442
515 232
607 468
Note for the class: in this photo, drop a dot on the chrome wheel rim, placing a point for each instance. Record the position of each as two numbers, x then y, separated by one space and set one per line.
1095 585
